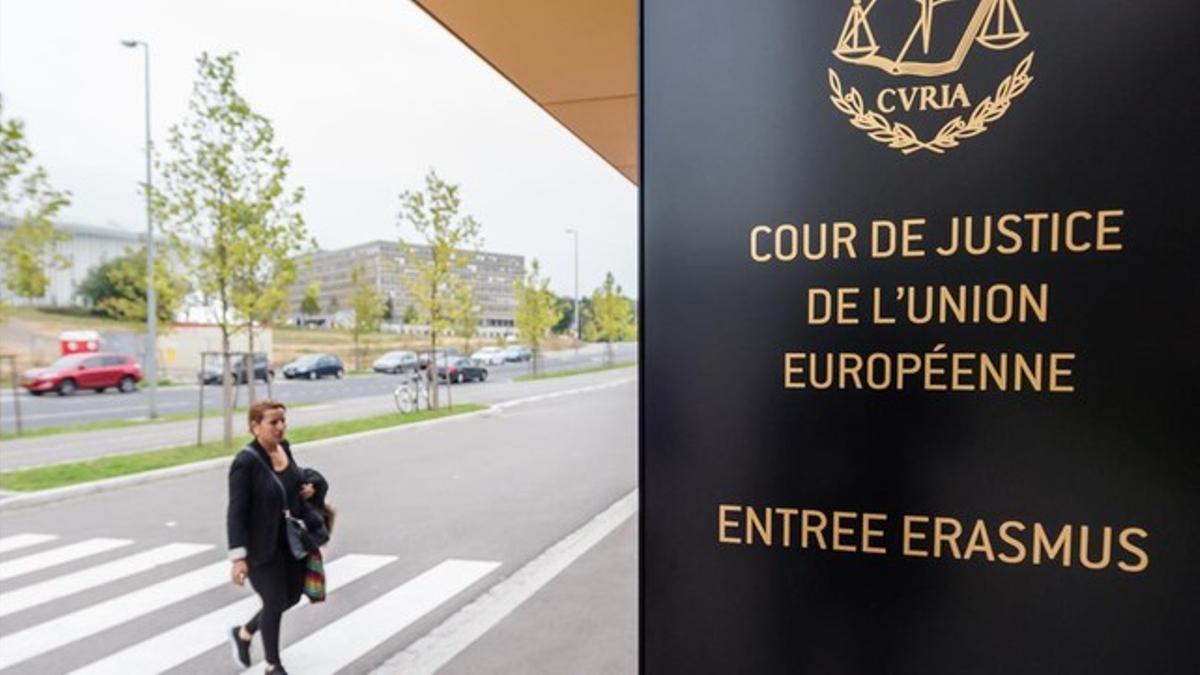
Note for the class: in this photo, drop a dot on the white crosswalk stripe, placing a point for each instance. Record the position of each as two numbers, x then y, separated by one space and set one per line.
60 587
171 648
58 556
363 629
34 641
336 646
18 541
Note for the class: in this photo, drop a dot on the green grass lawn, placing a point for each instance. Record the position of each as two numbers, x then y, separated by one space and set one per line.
162 382
574 371
59 475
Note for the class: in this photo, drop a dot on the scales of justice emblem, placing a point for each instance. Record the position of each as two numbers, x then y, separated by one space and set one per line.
994 25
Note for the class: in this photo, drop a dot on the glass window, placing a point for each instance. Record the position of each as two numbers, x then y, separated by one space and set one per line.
68 361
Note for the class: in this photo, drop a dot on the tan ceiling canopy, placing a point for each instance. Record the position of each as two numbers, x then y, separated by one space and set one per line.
577 59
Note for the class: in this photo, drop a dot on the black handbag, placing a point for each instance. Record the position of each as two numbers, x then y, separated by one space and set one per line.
295 529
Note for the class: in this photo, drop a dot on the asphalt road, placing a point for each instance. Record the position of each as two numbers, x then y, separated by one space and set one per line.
441 529
87 406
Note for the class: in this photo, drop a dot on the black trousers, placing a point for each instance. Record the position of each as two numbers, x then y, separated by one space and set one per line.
279 583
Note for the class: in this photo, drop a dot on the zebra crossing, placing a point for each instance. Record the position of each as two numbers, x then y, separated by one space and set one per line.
174 644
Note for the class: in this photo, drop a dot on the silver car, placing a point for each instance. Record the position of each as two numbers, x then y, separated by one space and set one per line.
517 353
396 363
492 356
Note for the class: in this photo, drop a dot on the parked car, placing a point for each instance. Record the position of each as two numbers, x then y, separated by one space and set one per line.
396 362
491 356
461 369
95 370
517 353
237 366
314 366
438 355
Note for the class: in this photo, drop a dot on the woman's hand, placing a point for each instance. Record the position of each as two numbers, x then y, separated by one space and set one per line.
307 491
239 571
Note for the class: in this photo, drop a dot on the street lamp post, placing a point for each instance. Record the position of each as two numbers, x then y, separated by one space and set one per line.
575 234
151 300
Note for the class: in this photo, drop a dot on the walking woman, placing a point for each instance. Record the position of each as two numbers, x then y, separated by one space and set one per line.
258 543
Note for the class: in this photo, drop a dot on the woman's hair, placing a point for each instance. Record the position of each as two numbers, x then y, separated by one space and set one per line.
260 408
327 514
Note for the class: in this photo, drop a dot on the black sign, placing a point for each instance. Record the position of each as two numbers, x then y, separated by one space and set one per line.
919 300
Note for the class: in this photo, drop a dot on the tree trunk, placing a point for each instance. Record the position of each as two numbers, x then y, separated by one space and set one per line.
432 372
226 390
248 368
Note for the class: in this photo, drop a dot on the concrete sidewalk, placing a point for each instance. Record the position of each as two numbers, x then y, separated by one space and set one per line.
38 451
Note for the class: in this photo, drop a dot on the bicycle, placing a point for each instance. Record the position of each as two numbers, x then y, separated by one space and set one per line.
411 394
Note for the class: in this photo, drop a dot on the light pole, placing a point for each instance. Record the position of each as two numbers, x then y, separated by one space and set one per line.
575 233
151 304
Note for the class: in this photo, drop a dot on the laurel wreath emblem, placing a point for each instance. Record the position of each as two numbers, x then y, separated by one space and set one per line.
901 137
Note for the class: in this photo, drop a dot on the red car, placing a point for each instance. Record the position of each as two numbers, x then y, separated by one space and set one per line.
71 373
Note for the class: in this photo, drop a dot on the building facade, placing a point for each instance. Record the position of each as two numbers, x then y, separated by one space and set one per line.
387 264
87 247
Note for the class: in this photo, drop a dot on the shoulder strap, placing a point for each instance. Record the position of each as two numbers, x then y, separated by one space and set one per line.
271 473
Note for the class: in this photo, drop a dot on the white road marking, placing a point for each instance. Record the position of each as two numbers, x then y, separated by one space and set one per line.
58 556
171 648
23 540
60 587
470 623
365 628
44 637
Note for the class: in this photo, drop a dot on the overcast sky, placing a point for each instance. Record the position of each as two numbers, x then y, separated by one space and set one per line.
366 96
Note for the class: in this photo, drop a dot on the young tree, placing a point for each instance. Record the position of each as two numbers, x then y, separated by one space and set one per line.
265 271
564 306
224 206
536 312
612 316
465 313
117 287
368 310
310 304
389 308
29 251
451 240
410 315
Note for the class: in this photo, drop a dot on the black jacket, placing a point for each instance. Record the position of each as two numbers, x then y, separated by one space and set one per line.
255 510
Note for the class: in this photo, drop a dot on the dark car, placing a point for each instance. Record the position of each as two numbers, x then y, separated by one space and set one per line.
237 366
517 354
97 371
438 355
396 363
314 366
461 369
